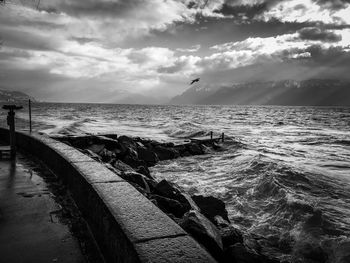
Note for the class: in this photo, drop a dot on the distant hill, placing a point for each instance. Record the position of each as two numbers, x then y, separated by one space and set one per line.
312 92
195 94
13 96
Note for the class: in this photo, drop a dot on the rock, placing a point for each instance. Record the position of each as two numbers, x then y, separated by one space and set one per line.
171 190
111 136
154 143
119 165
146 155
126 139
186 153
113 169
216 147
140 144
131 152
211 207
206 149
220 222
171 206
138 179
180 149
238 253
193 205
144 170
168 144
109 143
93 155
80 141
120 153
251 241
107 155
195 149
230 236
204 232
129 146
164 153
96 148
134 162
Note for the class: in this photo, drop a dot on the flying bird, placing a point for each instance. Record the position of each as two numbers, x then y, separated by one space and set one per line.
194 80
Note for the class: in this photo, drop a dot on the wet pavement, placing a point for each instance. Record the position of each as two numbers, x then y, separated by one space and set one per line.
32 228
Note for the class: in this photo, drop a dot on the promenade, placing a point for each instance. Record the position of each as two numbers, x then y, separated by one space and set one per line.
30 229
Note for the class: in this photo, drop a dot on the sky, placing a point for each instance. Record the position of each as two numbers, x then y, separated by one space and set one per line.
147 51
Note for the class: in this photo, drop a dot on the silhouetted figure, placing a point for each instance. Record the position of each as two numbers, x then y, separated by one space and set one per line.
194 80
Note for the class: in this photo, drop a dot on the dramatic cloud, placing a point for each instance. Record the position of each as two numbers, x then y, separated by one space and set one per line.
309 11
313 33
119 50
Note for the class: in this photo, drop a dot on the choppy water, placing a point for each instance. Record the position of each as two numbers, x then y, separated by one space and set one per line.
284 176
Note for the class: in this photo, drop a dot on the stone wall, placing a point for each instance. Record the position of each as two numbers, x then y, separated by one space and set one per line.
126 225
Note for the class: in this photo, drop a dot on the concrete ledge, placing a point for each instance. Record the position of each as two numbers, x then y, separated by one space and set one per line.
126 225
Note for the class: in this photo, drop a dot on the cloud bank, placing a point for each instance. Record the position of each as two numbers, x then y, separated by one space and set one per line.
111 51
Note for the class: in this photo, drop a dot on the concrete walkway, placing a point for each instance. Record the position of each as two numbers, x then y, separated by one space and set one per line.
28 231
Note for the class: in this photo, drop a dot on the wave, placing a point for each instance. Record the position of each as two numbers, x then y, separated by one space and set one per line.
287 209
325 141
185 130
342 142
73 128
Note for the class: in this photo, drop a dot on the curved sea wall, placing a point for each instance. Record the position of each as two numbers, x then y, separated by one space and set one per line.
126 225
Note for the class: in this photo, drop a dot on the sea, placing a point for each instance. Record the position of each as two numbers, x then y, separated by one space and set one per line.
283 173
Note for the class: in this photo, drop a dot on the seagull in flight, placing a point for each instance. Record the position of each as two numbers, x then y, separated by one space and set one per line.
194 80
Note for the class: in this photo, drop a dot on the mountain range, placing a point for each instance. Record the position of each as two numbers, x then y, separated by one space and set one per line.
14 96
313 92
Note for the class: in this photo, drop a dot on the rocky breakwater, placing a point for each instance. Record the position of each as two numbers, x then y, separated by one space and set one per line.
203 217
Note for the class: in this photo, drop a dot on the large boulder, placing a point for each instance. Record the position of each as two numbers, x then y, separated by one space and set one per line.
80 141
172 191
138 179
120 153
147 155
195 149
109 143
113 169
96 148
123 167
144 170
133 162
181 149
129 146
220 222
166 153
230 236
126 140
111 136
93 155
169 205
107 155
211 206
204 232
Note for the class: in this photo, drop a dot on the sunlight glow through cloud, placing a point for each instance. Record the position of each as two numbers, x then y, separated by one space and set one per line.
143 45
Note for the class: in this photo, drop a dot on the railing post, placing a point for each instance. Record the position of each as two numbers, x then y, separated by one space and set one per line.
211 135
222 137
30 116
11 123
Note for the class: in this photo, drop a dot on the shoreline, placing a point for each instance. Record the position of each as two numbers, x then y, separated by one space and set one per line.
205 218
